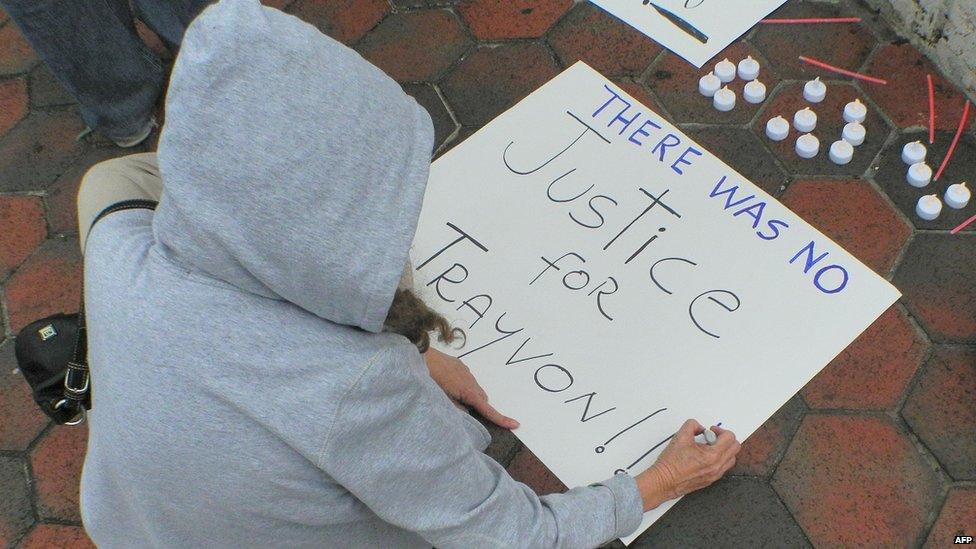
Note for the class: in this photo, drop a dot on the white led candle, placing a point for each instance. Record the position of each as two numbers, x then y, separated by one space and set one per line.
841 152
724 99
854 133
754 92
709 84
725 71
807 146
855 111
919 174
805 120
777 128
957 196
815 90
929 207
913 153
748 68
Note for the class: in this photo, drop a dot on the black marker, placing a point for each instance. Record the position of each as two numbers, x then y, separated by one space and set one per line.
685 26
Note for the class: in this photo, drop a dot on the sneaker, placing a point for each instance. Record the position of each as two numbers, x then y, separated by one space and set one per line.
126 142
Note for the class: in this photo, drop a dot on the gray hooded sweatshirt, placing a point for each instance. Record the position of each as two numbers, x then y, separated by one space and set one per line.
244 393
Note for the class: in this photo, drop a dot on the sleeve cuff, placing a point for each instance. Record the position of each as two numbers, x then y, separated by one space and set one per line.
628 507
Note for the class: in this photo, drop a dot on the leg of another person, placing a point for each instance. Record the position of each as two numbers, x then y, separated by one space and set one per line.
133 177
92 48
169 18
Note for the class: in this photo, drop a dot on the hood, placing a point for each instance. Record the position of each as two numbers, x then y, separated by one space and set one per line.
292 168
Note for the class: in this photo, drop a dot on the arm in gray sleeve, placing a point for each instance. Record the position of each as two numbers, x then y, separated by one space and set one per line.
399 447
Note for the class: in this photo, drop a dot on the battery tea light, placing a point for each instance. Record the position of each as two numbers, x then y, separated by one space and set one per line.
748 68
913 153
725 71
807 146
919 174
814 91
841 152
854 133
929 207
754 92
805 120
855 111
957 196
777 128
724 99
709 84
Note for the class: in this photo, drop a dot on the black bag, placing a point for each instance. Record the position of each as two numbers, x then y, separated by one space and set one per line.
51 353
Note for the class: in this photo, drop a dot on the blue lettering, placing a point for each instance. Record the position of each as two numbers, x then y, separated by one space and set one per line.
681 159
810 261
641 131
730 192
664 144
613 97
755 212
773 226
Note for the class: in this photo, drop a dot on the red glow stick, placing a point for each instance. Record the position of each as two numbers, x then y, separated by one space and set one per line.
931 109
963 225
955 141
839 70
811 20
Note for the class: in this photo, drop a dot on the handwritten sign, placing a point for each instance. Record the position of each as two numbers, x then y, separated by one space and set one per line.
693 29
614 278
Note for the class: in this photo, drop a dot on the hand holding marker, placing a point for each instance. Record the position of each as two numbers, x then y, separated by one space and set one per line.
707 436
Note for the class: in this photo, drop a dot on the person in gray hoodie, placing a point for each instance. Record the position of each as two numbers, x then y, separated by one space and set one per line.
257 374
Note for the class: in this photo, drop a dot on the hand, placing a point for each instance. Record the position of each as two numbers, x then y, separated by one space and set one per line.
457 382
685 465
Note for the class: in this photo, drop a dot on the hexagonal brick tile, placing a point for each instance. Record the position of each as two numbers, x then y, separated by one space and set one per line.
15 506
22 420
639 91
941 409
13 103
905 98
501 19
892 172
855 216
429 99
675 82
873 372
62 205
851 480
957 518
21 230
527 469
830 123
47 283
152 41
463 133
843 45
38 149
345 20
493 78
417 45
56 464
410 4
45 90
936 278
278 4
44 536
761 452
16 55
604 42
743 151
709 518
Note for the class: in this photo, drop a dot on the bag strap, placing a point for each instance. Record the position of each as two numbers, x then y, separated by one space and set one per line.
77 381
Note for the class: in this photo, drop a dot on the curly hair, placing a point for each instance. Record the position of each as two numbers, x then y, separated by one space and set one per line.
409 316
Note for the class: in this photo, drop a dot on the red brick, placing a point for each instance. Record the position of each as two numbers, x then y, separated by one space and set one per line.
742 150
941 409
21 230
62 204
936 278
501 19
345 20
493 78
763 449
16 55
56 463
45 536
854 215
527 469
675 81
3 16
905 98
606 43
13 103
873 372
856 480
958 517
15 505
416 46
22 420
843 45
830 124
152 40
429 99
47 283
38 149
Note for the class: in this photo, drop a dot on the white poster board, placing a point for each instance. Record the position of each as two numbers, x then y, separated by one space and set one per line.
693 29
614 278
